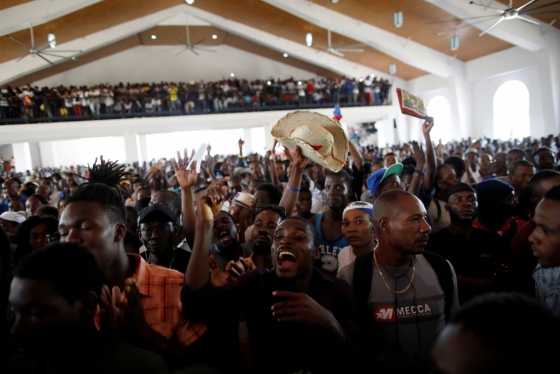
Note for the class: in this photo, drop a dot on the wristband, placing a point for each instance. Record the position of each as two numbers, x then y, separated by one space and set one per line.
293 188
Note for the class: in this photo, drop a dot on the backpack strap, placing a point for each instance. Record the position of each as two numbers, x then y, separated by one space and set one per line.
445 278
363 272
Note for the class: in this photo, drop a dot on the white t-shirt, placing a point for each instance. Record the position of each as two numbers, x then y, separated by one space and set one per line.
346 257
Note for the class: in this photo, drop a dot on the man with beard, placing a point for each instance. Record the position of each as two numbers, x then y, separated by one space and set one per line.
404 295
157 230
496 208
291 304
473 252
543 159
225 245
267 219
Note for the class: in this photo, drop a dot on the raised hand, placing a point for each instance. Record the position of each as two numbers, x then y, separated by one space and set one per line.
209 201
418 154
427 125
186 178
300 161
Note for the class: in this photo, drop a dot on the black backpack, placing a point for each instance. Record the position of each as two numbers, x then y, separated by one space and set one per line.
363 272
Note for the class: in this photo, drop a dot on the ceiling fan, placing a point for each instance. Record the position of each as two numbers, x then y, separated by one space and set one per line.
508 14
40 50
192 47
337 49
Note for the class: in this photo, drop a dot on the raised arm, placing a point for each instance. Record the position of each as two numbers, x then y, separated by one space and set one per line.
358 159
240 142
210 164
289 198
187 180
418 175
271 161
209 203
430 154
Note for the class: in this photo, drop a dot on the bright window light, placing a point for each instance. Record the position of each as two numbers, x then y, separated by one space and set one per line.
439 108
511 111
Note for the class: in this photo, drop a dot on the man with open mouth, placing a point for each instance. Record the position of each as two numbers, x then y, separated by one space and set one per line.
293 305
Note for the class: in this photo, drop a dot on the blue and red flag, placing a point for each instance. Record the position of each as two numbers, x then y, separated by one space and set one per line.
337 115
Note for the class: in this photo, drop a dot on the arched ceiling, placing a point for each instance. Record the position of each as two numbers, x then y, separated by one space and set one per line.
267 28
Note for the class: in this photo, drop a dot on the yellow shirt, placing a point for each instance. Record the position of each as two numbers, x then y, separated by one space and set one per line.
173 93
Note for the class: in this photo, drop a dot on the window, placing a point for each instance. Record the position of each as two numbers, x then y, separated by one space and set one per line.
511 111
439 108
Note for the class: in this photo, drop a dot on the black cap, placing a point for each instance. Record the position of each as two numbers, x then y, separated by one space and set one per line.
159 210
459 187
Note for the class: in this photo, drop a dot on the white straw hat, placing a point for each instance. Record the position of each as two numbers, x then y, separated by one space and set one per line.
321 139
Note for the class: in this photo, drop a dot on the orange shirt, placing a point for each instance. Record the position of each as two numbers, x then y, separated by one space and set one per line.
160 292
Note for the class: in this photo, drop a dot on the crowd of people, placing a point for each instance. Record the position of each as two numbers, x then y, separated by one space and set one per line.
413 258
164 98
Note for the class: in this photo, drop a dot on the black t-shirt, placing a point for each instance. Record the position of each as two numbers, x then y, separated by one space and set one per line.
180 261
475 257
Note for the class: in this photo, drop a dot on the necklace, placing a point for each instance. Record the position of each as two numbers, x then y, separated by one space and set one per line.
383 279
150 261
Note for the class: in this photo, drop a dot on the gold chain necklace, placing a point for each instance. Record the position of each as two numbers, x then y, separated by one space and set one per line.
383 279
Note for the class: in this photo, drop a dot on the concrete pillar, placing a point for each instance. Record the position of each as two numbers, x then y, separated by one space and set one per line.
35 152
131 146
22 157
385 131
248 138
269 140
48 154
143 148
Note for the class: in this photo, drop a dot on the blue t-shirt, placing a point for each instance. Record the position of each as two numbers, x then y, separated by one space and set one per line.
5 204
329 250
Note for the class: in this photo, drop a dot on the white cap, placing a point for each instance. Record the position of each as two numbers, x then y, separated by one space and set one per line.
12 216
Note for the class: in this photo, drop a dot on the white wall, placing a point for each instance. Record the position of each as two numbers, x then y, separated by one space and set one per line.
6 151
160 63
471 92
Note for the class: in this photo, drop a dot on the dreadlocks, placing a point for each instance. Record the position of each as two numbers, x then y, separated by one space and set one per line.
104 187
109 173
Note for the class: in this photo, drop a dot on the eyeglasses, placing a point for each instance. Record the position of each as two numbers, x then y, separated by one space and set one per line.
148 229
54 237
276 208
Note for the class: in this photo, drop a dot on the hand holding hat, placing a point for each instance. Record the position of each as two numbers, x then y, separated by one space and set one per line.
321 139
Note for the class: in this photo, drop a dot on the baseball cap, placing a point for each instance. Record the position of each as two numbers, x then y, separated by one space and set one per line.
12 216
380 175
156 210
